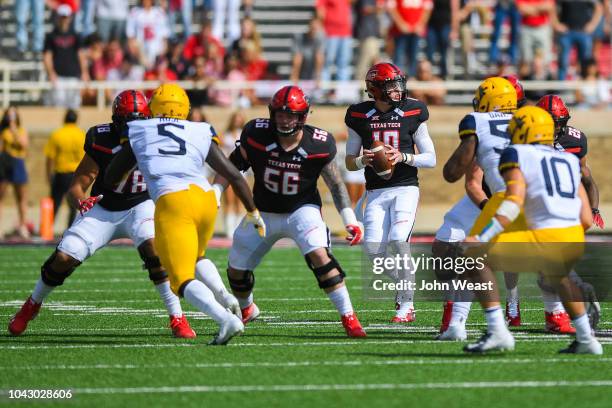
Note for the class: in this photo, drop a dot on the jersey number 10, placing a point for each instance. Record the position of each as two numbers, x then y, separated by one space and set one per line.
557 166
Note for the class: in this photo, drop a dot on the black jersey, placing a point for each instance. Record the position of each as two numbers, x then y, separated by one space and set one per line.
573 141
101 144
284 180
396 128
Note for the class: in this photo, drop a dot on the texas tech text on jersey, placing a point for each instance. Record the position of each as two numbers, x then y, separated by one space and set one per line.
396 128
284 180
101 144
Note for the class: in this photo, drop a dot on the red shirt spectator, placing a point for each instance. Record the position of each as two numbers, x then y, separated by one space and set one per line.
195 46
530 16
411 12
74 4
337 17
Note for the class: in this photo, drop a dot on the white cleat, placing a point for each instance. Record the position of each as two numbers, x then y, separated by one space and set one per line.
230 302
229 328
453 333
499 340
592 347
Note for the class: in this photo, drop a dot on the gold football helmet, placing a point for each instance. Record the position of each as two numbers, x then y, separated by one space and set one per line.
495 94
169 101
532 124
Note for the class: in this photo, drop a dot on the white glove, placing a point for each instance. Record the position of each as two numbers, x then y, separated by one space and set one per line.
255 218
218 189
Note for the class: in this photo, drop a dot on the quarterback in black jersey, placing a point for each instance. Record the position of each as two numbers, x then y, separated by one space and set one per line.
287 157
124 211
390 211
572 140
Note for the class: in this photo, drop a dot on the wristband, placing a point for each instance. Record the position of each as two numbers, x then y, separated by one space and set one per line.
490 231
359 162
483 203
408 158
348 216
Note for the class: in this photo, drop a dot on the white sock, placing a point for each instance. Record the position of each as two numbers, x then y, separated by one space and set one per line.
245 302
583 328
341 299
512 295
198 294
207 272
495 318
552 302
41 291
404 307
460 313
172 302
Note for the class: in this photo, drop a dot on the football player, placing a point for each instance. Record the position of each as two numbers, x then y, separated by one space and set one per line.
287 157
557 213
122 211
391 204
170 152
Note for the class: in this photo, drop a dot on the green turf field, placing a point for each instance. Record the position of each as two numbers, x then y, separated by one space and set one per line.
104 336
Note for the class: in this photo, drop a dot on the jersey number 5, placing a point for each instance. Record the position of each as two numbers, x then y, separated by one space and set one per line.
163 131
281 182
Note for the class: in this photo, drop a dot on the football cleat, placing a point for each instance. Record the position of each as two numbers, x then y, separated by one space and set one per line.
515 320
229 301
408 317
499 340
230 328
559 322
352 326
576 347
446 315
19 322
453 333
249 313
180 327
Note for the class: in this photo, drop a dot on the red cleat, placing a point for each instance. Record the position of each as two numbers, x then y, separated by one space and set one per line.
180 327
409 317
559 322
19 322
249 313
513 321
446 315
352 326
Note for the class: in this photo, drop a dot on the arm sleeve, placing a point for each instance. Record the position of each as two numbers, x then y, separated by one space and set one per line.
353 143
508 160
467 127
427 152
238 160
584 146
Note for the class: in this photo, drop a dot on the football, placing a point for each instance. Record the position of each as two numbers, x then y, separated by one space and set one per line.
381 164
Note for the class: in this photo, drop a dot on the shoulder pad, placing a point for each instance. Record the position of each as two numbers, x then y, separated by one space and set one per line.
508 159
467 126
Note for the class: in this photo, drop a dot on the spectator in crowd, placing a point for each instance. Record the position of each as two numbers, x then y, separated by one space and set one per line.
176 61
471 15
129 70
433 95
409 26
205 72
337 21
248 32
111 19
253 65
36 9
148 27
538 70
84 19
367 32
443 26
160 72
64 151
196 44
97 66
505 9
232 207
14 141
226 31
197 115
575 22
602 32
184 10
308 53
594 93
242 98
536 33
65 61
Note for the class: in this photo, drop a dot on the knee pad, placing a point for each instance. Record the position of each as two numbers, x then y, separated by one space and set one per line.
152 262
244 284
56 278
322 270
443 250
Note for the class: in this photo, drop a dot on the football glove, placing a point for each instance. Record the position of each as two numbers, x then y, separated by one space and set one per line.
352 226
597 219
254 218
88 203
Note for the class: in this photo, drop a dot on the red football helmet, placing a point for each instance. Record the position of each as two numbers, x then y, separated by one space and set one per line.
382 80
290 99
520 92
130 105
554 105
